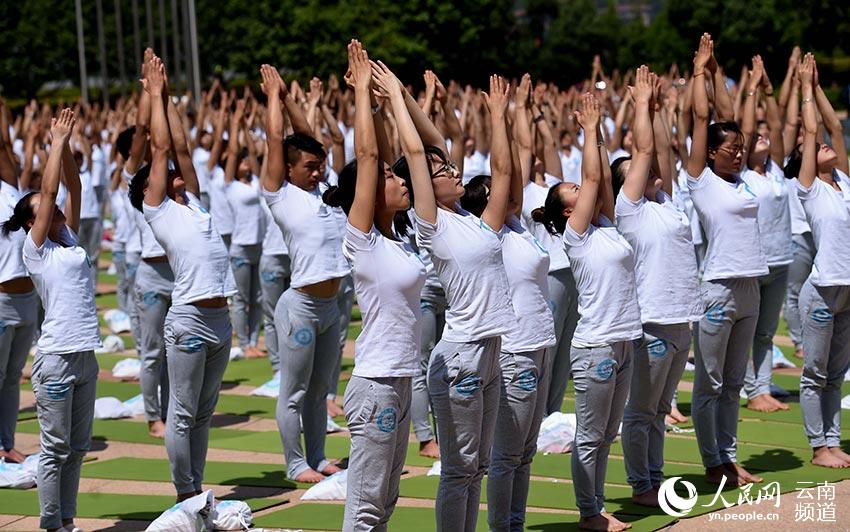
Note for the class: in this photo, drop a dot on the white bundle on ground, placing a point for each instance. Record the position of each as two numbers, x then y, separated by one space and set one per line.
436 469
21 476
117 320
556 433
111 344
270 388
110 408
779 359
333 427
136 405
127 369
689 366
232 515
331 489
195 514
845 402
236 353
112 270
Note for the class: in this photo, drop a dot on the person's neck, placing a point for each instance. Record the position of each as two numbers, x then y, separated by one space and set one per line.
384 222
825 175
759 165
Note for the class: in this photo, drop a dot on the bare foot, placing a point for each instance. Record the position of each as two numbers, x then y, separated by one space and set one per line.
429 448
13 456
310 476
744 476
824 458
762 403
677 415
183 496
334 410
156 429
799 353
837 452
647 498
253 352
603 522
779 404
330 469
714 475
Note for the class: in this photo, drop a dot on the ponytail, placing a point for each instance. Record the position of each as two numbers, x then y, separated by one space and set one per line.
550 215
22 214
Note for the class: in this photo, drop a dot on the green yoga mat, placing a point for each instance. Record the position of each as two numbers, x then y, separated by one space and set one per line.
107 505
224 473
329 517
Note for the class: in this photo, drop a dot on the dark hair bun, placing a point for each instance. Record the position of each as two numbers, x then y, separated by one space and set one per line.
539 215
331 196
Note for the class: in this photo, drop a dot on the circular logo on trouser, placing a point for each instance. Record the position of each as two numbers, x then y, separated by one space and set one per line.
386 419
672 504
303 336
605 369
657 348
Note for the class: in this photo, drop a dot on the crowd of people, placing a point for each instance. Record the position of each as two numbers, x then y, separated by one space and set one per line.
499 243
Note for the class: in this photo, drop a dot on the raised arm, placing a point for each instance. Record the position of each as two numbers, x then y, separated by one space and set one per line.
233 142
160 137
296 115
272 86
808 166
723 107
591 171
699 144
500 154
428 132
338 146
453 127
551 161
792 117
362 213
218 133
424 202
181 148
524 142
8 172
617 140
644 141
831 123
143 118
774 121
789 82
748 117
73 201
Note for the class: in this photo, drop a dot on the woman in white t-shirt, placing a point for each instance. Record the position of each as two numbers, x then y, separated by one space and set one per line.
388 277
242 191
610 322
766 179
825 297
197 329
463 375
667 289
64 372
734 261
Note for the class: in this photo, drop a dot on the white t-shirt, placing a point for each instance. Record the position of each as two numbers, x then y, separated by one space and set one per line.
827 213
571 165
195 251
222 212
312 234
124 226
476 164
799 224
666 272
729 215
527 266
467 256
534 196
774 217
249 224
388 278
62 277
11 260
604 270
682 198
273 243
149 245
200 158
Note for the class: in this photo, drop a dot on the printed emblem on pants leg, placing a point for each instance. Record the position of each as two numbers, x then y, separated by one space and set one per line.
238 262
3 327
192 344
149 298
303 336
715 313
527 380
657 348
468 385
386 419
269 276
57 390
605 369
822 315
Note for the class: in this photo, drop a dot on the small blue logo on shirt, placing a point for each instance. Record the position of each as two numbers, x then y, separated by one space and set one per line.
527 380
386 419
303 336
468 385
193 344
822 315
657 348
605 369
715 314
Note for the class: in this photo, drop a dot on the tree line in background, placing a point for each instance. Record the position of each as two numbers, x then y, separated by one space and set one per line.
465 40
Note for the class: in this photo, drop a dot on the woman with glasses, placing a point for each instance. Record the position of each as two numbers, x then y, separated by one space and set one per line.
463 376
734 261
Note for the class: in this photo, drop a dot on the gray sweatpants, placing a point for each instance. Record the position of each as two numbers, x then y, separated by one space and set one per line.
658 365
274 280
826 342
64 387
433 306
154 284
601 376
377 410
723 342
90 237
772 292
198 348
119 260
463 380
132 261
308 336
803 247
522 402
563 298
245 262
18 317
345 300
